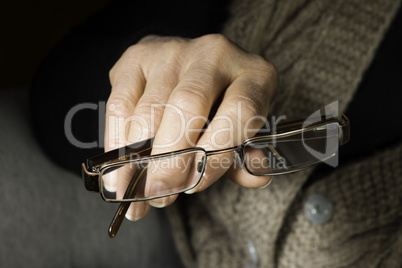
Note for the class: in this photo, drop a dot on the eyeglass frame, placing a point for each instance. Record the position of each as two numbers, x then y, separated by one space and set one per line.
93 167
141 149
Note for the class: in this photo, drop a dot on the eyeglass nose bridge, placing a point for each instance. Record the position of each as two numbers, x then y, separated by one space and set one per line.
238 158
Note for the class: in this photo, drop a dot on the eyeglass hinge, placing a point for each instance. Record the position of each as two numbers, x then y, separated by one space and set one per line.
91 179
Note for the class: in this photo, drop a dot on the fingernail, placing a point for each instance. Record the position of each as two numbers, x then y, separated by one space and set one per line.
160 202
110 188
197 187
138 213
194 190
191 191
196 182
109 181
131 217
157 189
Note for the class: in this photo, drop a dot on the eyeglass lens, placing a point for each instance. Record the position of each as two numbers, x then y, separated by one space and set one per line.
171 174
292 152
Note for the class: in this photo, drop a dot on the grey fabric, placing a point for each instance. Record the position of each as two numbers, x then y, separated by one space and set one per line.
49 220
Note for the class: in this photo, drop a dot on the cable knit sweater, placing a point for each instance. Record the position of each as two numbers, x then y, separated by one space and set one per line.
321 50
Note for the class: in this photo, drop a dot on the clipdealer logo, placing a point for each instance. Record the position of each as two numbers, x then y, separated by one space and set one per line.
327 154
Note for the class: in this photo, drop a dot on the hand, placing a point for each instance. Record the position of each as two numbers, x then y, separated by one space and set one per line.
166 87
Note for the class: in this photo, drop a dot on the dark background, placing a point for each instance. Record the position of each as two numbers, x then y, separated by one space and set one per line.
28 31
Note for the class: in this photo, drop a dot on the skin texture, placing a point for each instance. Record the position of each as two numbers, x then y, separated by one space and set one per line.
163 87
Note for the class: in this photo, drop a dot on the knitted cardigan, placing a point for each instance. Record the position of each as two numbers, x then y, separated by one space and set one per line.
321 50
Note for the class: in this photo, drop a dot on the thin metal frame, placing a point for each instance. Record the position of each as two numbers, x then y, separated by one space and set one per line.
91 171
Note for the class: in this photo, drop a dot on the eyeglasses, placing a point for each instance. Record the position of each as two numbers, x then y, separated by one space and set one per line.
125 174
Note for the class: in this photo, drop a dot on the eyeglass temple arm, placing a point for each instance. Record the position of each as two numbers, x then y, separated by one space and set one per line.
131 190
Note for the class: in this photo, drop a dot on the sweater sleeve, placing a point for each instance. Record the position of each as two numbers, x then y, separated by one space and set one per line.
76 71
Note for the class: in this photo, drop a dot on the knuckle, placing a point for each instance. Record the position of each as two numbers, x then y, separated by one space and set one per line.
175 42
112 72
191 93
149 38
263 71
218 40
135 54
136 50
215 47
129 63
242 108
262 79
121 103
143 110
149 108
262 67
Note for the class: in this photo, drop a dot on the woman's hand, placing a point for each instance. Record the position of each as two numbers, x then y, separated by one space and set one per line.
165 87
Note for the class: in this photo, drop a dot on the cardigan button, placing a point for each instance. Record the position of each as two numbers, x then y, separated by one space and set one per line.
318 209
252 251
